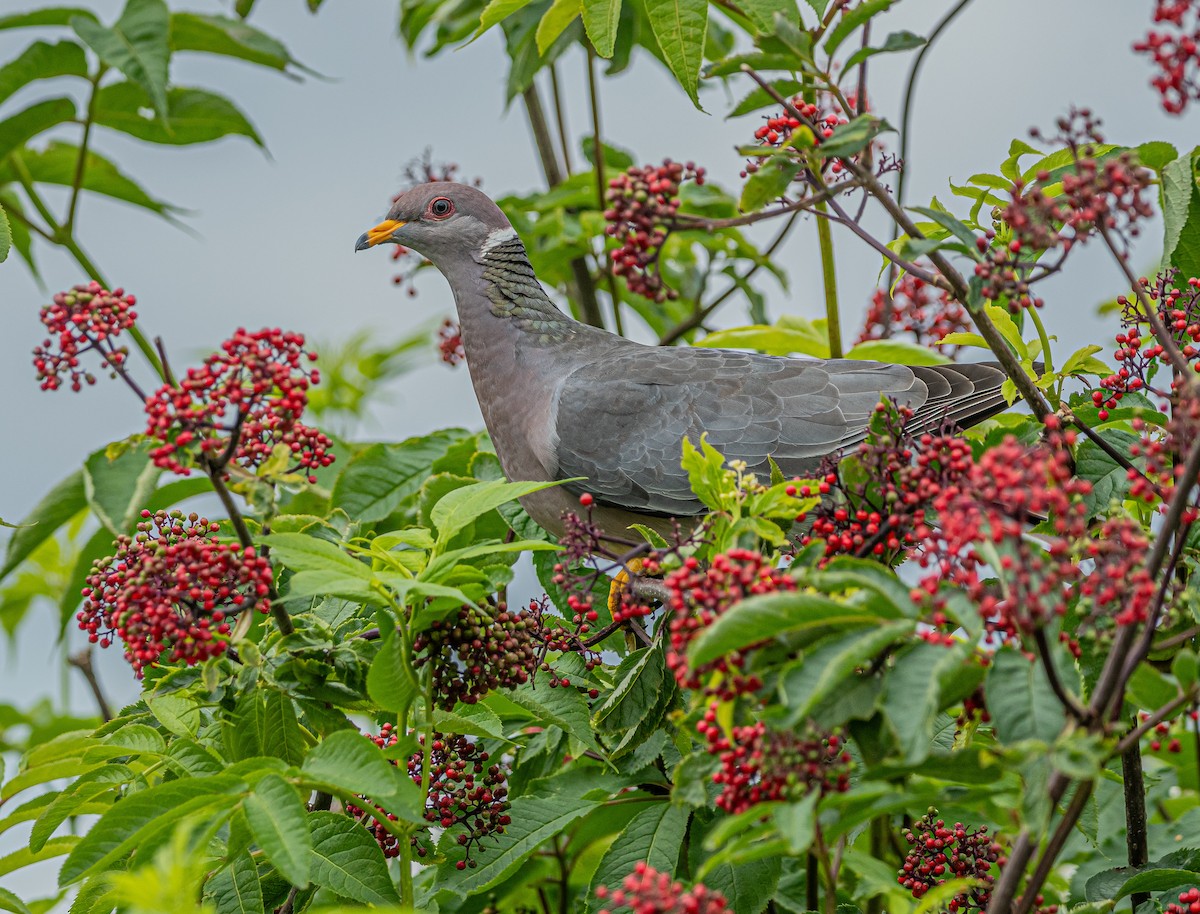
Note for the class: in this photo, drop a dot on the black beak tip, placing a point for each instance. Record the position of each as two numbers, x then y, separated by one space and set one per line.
362 244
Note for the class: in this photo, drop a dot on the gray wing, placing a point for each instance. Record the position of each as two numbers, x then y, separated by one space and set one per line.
620 421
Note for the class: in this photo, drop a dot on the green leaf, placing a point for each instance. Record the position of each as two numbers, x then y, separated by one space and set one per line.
772 340
236 888
302 552
50 16
379 478
896 41
763 12
42 60
769 183
600 18
654 836
193 115
277 821
497 11
56 165
459 507
350 763
562 706
10 902
902 352
23 126
57 507
1008 328
638 682
391 681
767 616
22 858
229 38
1020 700
852 138
681 27
829 670
264 724
137 45
555 21
534 820
1110 480
143 816
118 485
913 693
347 860
1156 154
956 228
1181 215
5 247
851 21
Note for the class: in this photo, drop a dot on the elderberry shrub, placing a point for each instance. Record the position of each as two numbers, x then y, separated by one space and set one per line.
168 592
916 307
647 891
85 318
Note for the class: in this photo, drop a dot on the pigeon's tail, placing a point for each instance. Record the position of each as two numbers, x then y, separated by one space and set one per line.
960 394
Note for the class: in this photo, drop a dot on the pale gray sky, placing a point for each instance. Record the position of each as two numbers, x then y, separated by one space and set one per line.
275 235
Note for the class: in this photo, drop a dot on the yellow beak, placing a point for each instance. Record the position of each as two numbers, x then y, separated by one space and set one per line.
381 233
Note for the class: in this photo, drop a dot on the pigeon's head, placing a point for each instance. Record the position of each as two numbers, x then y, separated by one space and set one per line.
445 222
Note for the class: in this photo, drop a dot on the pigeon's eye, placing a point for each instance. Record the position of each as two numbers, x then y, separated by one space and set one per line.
441 207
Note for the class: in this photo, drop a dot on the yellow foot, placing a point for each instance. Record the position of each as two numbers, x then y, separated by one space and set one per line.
616 590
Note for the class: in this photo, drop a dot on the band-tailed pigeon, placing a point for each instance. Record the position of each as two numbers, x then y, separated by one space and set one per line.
563 399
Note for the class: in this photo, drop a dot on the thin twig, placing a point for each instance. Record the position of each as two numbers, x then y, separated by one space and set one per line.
601 181
1069 701
81 160
560 119
82 661
1134 736
1053 848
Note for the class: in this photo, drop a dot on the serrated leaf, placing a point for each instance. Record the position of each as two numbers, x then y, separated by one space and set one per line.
913 693
555 21
42 60
902 352
352 764
772 340
1020 700
142 816
378 479
117 487
50 16
56 165
681 27
277 820
1181 215
192 115
772 179
896 41
347 860
391 681
137 45
561 706
264 724
654 836
57 507
534 820
236 888
229 38
761 618
23 126
460 507
6 239
600 19
850 139
851 21
10 902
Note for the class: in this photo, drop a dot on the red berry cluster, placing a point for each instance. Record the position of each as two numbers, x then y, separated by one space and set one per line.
822 118
1179 310
939 853
473 652
901 477
760 765
647 891
388 843
241 404
169 591
1005 277
1119 585
698 597
1189 903
1176 53
85 318
464 790
1158 450
642 204
450 343
1165 736
987 513
914 306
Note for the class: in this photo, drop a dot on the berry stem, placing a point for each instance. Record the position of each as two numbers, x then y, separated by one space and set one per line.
407 898
1047 355
1053 848
1069 702
282 620
829 275
81 160
82 661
